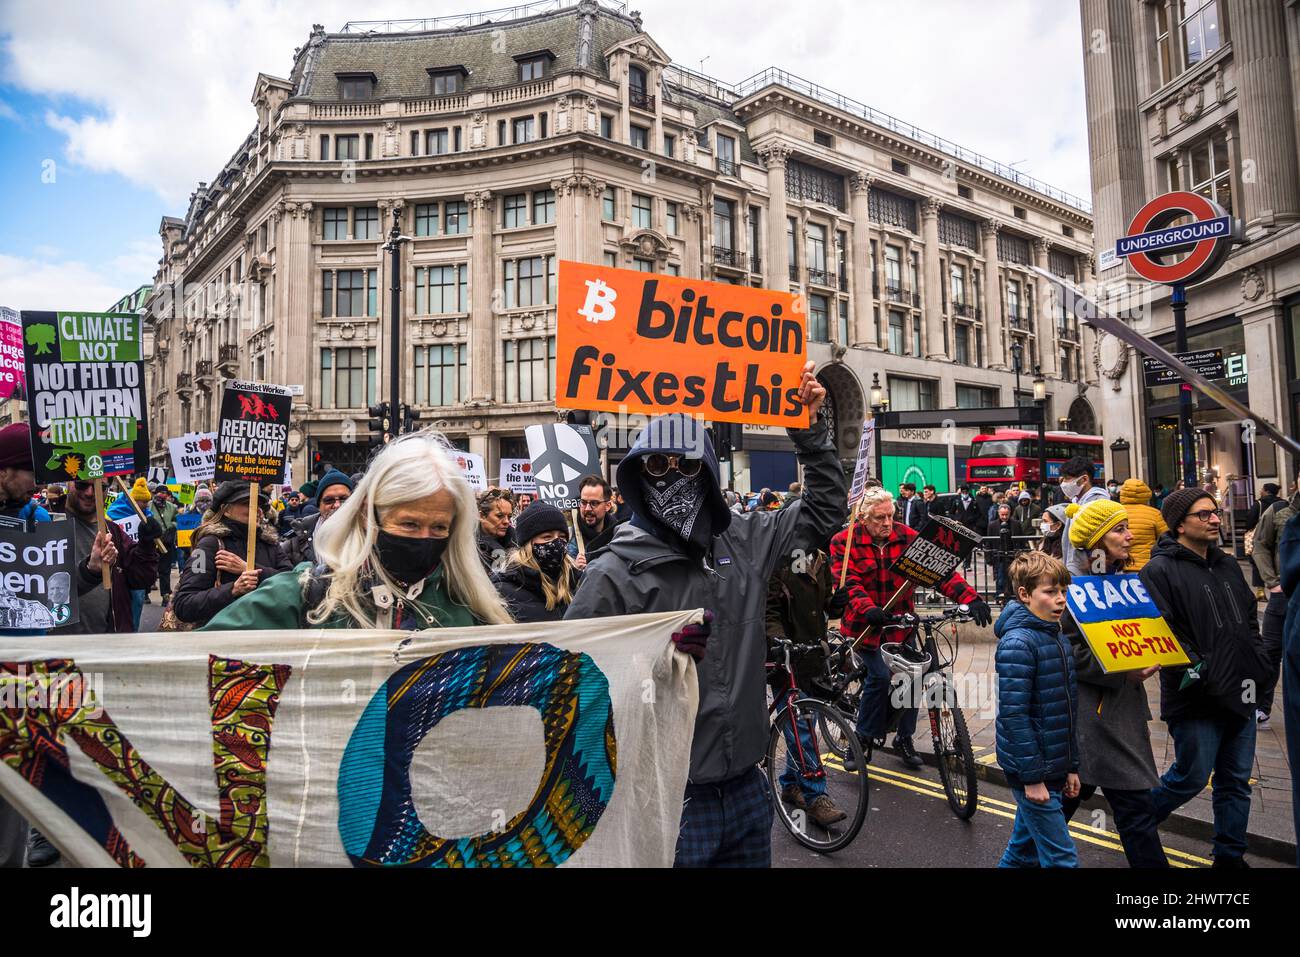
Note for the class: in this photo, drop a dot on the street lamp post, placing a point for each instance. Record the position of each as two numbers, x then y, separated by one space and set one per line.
1040 400
879 401
394 248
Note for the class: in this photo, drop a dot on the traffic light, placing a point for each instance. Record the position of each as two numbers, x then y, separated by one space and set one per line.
316 462
409 418
380 423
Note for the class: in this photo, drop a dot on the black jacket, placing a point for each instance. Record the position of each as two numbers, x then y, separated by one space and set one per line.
494 550
973 516
521 587
594 543
1215 616
920 512
199 596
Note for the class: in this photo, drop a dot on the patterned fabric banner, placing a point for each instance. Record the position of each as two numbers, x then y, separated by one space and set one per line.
516 745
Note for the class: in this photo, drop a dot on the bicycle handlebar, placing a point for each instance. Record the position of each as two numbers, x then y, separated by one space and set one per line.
911 619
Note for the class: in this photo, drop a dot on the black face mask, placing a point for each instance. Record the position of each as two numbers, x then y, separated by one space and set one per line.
679 502
550 556
409 560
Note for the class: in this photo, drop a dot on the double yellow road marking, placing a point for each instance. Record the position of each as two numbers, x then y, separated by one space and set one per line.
1080 832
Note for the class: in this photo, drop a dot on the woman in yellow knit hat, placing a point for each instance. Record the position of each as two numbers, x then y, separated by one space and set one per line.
1100 536
1113 711
140 492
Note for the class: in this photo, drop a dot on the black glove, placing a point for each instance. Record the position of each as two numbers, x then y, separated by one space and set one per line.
981 613
876 617
150 529
839 601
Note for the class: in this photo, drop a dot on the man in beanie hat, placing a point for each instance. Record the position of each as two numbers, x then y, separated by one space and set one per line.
1209 707
684 548
333 489
18 474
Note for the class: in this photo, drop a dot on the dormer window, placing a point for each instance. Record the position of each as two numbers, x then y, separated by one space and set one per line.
356 86
444 81
637 93
533 66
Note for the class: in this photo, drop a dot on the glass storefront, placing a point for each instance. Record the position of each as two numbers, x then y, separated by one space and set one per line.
1164 457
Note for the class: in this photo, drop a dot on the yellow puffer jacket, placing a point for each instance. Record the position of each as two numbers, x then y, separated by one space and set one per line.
1144 522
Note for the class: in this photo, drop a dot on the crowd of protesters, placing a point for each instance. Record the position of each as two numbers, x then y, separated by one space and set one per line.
408 545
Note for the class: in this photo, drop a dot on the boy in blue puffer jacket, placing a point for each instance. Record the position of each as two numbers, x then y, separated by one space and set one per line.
1037 740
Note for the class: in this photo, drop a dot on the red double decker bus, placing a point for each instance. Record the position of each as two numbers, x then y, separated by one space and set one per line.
1010 456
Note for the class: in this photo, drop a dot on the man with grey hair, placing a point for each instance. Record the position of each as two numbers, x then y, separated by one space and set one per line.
871 546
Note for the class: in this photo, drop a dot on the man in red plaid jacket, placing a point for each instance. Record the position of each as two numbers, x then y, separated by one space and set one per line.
878 541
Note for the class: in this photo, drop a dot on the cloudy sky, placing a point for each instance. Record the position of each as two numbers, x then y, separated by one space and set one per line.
110 114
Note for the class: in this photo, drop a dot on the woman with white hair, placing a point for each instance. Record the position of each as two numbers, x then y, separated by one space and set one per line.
400 553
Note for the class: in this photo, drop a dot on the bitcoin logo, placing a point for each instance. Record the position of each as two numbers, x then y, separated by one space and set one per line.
599 306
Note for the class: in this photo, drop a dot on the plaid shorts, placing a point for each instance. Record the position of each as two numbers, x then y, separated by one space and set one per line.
727 824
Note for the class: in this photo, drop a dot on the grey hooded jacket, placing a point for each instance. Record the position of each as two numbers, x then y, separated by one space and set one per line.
645 568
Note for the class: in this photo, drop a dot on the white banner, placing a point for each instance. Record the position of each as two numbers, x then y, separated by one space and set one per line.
866 461
523 745
517 475
130 525
194 457
472 465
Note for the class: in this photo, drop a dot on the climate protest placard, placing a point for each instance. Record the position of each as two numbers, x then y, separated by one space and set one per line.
253 438
194 457
38 574
936 552
517 475
11 355
1123 626
521 745
630 341
85 393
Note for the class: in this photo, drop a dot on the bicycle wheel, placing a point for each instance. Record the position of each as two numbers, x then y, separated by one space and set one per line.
956 760
799 761
846 704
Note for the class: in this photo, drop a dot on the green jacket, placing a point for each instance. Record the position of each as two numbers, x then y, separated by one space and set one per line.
1268 532
166 514
277 604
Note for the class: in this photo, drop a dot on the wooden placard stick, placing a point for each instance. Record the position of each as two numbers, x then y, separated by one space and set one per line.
253 517
577 531
101 526
139 511
848 541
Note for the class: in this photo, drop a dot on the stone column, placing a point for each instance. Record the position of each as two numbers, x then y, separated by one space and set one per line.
482 322
1049 348
1265 113
693 234
861 266
932 297
1115 133
588 199
295 332
996 355
1262 329
878 271
777 267
567 225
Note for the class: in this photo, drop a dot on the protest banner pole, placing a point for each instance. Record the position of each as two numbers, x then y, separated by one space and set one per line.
848 542
253 516
577 532
139 511
101 525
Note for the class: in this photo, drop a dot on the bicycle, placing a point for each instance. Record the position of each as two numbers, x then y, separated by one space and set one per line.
799 756
949 736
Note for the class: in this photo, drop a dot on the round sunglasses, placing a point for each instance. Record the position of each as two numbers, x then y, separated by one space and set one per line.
657 464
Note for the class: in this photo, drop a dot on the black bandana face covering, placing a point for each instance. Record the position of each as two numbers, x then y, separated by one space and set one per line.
678 501
550 556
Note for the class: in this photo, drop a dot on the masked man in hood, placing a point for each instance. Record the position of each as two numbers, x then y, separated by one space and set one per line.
683 548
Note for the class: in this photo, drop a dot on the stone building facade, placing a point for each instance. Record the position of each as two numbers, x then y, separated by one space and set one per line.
507 147
1201 95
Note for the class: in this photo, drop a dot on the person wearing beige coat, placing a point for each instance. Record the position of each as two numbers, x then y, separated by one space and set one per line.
1143 521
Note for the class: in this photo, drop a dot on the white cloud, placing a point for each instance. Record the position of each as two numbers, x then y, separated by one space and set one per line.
55 283
170 83
7 112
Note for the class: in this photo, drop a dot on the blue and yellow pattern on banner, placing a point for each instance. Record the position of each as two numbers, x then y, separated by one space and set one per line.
186 523
1122 624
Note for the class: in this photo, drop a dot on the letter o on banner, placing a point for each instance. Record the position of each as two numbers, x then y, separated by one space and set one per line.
377 818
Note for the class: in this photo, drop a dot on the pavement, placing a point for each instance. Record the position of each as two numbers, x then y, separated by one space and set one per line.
909 824
1271 829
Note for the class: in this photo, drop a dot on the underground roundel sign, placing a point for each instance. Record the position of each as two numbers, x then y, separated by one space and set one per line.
1175 225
